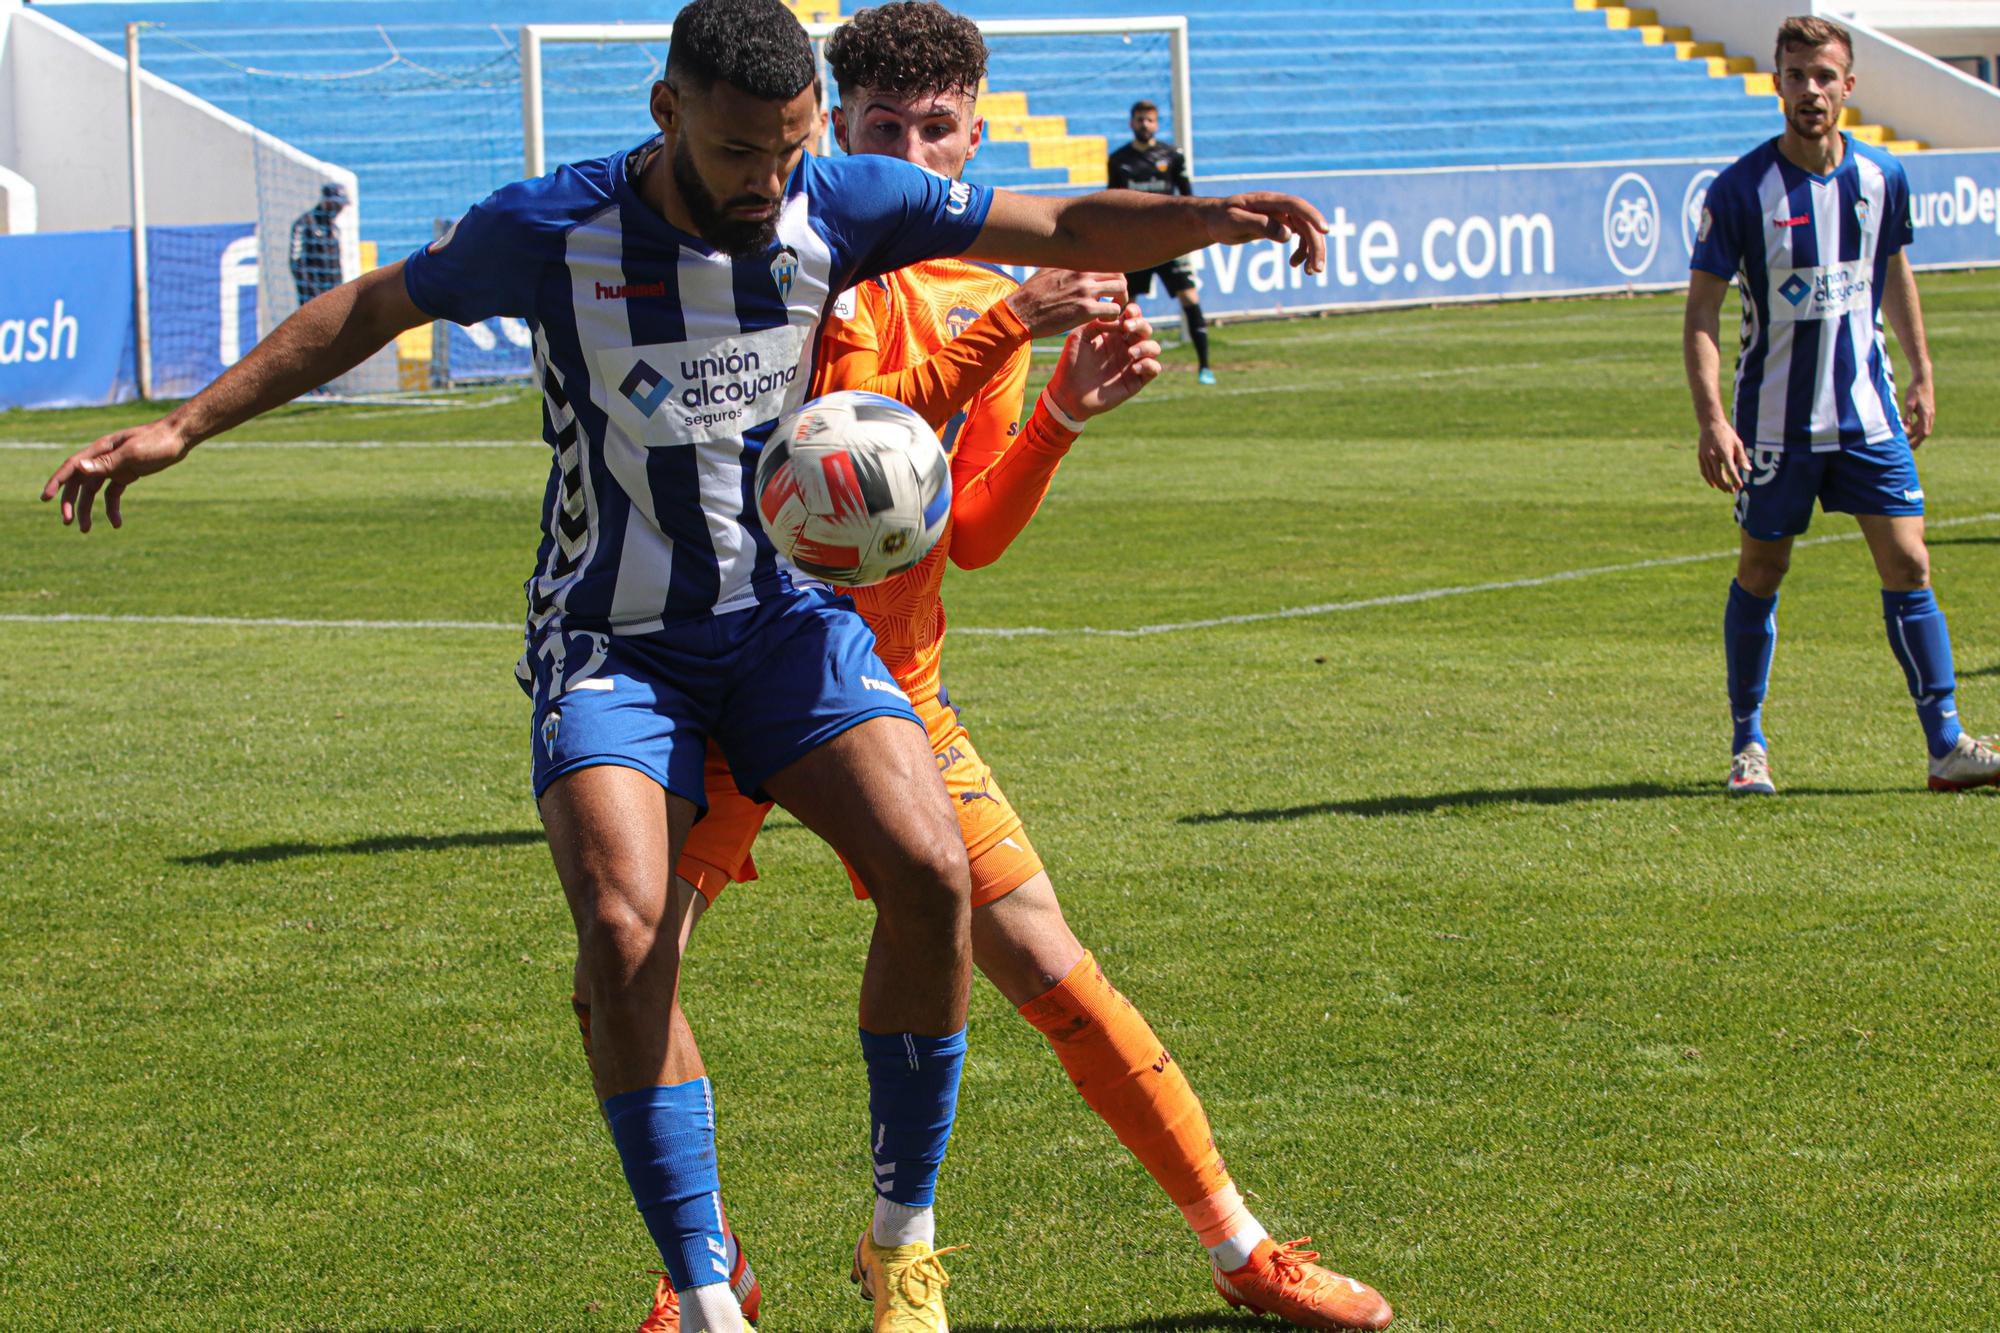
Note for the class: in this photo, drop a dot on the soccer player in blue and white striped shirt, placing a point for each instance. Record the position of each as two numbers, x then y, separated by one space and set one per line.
1813 226
675 291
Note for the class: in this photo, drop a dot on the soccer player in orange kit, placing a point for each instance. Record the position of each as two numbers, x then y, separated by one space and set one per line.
951 338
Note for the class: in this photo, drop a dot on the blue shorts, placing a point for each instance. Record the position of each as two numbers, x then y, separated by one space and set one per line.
1777 499
769 684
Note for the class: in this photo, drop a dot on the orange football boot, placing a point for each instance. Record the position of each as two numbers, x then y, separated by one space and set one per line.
743 1285
1283 1280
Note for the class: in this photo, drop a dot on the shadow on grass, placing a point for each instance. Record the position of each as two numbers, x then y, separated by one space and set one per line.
1217 1321
395 842
1961 541
1207 1322
1375 807
1993 670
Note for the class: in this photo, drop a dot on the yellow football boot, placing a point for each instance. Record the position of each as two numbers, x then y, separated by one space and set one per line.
905 1282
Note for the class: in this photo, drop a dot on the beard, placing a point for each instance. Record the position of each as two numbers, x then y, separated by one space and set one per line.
735 237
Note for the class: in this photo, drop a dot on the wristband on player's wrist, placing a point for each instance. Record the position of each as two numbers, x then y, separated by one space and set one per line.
1060 417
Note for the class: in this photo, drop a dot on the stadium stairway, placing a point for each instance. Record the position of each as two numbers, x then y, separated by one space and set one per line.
1722 65
421 98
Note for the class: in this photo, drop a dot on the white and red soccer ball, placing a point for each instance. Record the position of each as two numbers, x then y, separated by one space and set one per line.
853 488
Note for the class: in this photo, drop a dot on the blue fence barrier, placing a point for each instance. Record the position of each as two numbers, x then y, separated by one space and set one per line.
1490 233
65 319
66 323
1399 238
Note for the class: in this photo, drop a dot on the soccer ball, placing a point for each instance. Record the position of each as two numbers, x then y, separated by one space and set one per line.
853 488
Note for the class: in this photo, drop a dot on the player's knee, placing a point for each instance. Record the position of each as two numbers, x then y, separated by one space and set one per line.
618 934
1761 575
1907 571
926 880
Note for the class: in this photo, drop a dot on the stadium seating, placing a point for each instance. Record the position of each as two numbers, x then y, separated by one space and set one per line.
423 103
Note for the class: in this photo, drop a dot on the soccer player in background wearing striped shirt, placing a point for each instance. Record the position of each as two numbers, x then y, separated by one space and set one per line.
1813 227
675 291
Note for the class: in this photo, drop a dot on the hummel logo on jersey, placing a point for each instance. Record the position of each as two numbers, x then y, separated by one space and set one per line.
783 269
626 291
884 687
1799 221
646 388
1795 289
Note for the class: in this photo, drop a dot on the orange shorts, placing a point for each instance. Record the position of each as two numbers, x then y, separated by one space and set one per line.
718 849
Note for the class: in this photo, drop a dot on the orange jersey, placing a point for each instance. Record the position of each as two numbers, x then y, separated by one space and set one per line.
939 336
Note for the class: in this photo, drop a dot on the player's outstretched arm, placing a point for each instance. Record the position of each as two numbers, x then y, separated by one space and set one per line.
1102 365
324 339
1052 301
1128 230
1906 317
1724 461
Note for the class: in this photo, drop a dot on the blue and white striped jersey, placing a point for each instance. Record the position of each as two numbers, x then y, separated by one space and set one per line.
1810 255
664 363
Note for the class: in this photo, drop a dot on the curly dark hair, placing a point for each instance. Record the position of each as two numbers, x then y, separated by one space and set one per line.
755 45
908 48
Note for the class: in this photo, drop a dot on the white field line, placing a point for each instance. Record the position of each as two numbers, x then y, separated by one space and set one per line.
251 622
1002 631
71 446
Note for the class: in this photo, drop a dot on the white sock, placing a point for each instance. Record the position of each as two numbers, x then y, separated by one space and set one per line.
710 1308
1233 1253
903 1223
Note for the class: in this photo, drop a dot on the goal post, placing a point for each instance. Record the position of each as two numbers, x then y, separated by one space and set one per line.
535 36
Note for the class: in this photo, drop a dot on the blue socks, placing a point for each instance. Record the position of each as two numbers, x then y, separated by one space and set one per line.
912 1101
666 1139
1918 637
1749 637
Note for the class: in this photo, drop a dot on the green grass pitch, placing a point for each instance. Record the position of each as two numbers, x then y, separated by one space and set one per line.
1484 983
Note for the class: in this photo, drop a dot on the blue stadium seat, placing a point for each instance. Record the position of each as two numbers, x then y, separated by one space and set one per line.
423 103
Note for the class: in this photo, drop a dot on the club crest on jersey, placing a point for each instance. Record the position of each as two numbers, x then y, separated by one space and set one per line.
784 268
960 318
1707 225
1861 211
551 724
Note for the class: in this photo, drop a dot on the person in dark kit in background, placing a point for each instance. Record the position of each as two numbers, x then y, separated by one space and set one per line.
1154 165
316 244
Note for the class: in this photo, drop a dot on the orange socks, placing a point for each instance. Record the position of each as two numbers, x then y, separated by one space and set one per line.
1129 1079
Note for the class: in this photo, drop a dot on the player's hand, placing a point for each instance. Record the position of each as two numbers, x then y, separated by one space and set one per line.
1919 411
112 464
1103 364
1267 216
1725 463
1056 300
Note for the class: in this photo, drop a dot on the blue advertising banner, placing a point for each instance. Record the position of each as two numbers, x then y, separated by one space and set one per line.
1488 233
202 282
65 319
495 349
66 324
1398 238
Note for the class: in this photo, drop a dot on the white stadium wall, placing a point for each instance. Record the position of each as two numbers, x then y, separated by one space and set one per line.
64 132
17 204
1897 85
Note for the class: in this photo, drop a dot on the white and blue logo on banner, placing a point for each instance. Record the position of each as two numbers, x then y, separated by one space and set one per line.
65 319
